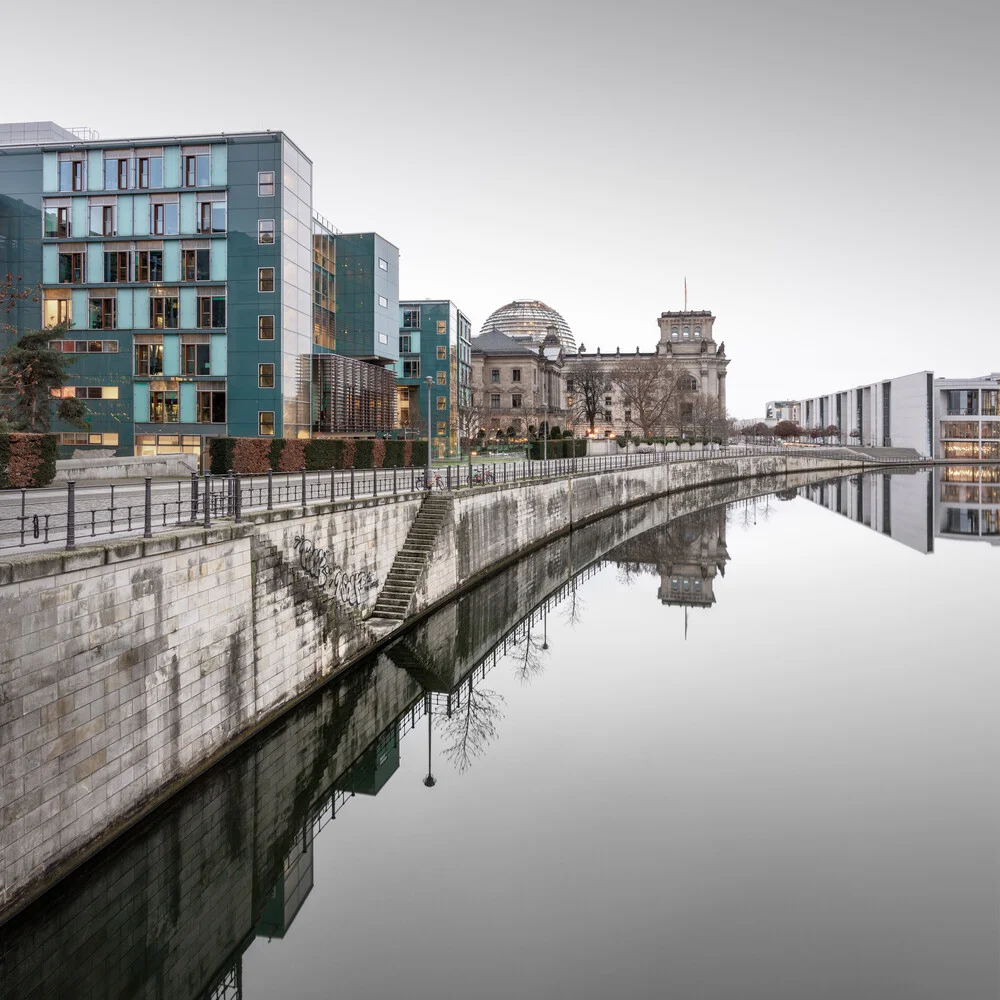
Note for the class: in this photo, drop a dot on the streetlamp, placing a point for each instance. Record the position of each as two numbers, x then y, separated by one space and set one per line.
427 465
545 436
430 781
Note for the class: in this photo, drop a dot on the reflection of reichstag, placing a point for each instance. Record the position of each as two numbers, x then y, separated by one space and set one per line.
915 507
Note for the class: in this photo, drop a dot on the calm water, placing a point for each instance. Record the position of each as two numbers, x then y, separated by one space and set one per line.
750 752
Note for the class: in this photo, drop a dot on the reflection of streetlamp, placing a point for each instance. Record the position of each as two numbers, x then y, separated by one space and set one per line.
427 466
430 781
545 626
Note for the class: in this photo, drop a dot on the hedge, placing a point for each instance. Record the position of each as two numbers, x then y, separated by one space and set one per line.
27 460
560 448
255 455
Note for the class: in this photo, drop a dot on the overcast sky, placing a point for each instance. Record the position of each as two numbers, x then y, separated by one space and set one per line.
824 174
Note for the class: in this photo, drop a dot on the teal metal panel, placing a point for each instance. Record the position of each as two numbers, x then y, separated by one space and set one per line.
124 215
79 217
172 166
140 310
124 308
140 402
171 354
95 262
171 260
140 215
218 358
81 317
217 260
187 402
187 214
50 263
50 172
189 309
220 164
95 170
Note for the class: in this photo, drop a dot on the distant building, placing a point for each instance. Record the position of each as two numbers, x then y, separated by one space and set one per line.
434 339
967 417
783 409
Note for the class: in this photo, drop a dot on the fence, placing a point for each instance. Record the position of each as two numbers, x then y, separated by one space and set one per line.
76 514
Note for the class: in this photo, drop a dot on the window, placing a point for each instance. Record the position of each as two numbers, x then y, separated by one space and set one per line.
495 401
265 279
149 359
164 219
116 265
383 302
411 319
71 268
607 401
265 184
494 374
569 385
57 222
265 376
84 346
689 383
103 313
150 172
265 423
85 392
990 400
163 312
442 354
515 374
195 265
265 328
383 338
697 332
196 170
515 401
83 437
211 311
686 334
163 407
196 360
56 311
607 416
443 380
628 415
149 265
211 406
442 427
102 220
265 230
674 332
116 174
442 402
383 265
411 368
71 175
405 343
442 326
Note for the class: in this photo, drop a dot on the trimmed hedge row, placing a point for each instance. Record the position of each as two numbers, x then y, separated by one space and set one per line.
257 455
559 448
27 460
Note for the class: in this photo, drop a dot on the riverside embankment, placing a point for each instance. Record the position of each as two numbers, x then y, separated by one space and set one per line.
127 669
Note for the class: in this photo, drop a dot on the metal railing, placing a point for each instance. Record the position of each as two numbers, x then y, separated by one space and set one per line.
78 513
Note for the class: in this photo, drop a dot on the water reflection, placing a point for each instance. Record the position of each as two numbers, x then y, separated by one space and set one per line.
177 907
914 507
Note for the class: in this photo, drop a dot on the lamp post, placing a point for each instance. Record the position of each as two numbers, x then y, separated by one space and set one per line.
430 781
427 465
545 436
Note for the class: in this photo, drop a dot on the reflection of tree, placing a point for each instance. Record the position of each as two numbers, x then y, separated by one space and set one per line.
528 662
573 612
472 726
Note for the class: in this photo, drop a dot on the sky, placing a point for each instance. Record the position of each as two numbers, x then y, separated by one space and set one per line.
823 174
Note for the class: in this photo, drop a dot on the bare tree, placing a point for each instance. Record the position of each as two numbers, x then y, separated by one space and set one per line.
708 417
648 388
473 726
589 379
473 415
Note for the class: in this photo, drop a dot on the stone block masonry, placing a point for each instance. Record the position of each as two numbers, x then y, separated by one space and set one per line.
126 669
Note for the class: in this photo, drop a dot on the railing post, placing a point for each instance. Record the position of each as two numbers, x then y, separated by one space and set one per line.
448 476
333 485
303 489
194 497
208 499
352 483
147 531
70 515
394 480
374 482
270 486
238 498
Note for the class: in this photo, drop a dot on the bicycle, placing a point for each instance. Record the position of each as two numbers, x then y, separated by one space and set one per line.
437 483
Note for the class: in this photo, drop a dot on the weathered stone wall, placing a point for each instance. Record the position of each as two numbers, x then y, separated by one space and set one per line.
127 668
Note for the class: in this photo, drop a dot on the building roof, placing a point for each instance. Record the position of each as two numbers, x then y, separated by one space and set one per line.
495 342
527 321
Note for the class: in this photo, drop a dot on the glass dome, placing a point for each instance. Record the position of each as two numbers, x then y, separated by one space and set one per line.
528 320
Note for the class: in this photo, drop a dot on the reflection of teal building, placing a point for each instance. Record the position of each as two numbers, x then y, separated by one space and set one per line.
183 268
290 891
435 339
369 773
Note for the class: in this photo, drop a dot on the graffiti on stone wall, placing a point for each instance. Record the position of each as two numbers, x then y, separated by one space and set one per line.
351 588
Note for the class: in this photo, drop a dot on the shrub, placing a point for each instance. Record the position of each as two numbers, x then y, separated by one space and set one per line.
378 453
293 456
27 459
419 454
393 454
407 454
274 454
324 453
251 455
220 455
347 454
363 449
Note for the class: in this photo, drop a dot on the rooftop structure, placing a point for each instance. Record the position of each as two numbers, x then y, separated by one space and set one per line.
528 321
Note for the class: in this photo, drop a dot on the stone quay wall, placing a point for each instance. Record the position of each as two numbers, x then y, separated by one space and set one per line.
128 668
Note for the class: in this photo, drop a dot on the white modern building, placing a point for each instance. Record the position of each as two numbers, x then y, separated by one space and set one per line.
967 417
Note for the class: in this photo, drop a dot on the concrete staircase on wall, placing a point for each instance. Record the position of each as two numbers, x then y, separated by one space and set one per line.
411 560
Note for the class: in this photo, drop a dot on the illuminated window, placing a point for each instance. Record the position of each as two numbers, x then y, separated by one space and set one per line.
442 403
265 231
265 423
265 328
265 376
443 380
442 354
265 279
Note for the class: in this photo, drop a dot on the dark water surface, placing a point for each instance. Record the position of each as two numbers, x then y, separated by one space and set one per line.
751 753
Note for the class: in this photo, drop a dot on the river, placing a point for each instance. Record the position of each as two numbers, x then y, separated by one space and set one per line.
749 753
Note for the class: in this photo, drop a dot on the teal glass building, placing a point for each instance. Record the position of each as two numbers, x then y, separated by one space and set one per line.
435 339
183 267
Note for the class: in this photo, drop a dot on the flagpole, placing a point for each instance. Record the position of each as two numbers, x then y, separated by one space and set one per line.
685 294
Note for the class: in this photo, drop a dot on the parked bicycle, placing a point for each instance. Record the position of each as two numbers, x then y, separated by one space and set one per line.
437 483
482 478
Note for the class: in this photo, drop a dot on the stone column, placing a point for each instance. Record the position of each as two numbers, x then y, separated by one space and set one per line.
722 390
